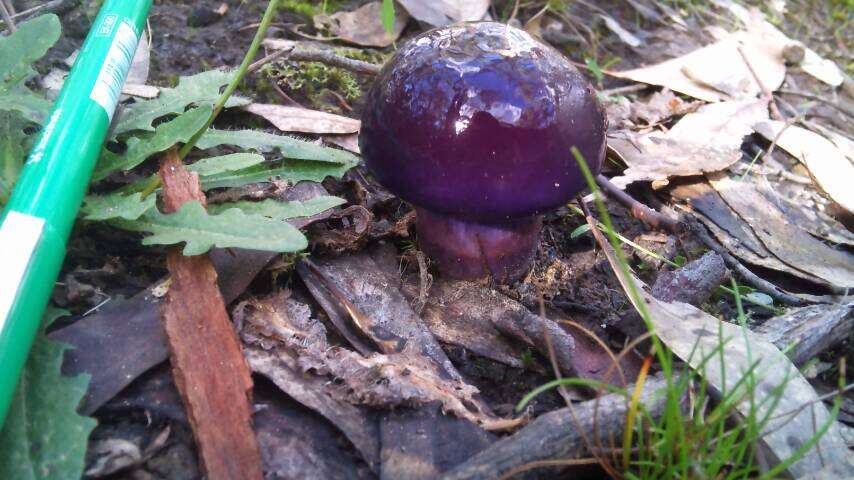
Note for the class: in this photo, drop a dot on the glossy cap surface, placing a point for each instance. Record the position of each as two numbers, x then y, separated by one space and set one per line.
477 120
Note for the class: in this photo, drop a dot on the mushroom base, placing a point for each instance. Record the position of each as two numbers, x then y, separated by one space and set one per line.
468 250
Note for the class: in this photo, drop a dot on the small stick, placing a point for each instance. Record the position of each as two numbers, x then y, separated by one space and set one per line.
775 112
640 211
762 285
7 17
321 56
624 89
845 108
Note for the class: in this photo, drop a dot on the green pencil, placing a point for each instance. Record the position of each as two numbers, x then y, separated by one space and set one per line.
44 203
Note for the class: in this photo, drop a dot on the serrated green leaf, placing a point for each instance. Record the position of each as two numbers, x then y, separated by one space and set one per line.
23 47
26 103
289 147
117 205
225 163
17 52
198 90
387 17
12 152
200 231
280 210
290 170
44 437
167 134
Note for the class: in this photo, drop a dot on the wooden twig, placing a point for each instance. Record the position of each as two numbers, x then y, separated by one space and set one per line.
751 278
207 361
637 87
7 17
640 211
775 112
842 106
811 330
48 7
315 55
557 435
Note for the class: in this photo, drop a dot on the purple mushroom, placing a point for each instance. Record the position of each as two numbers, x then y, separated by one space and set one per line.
474 124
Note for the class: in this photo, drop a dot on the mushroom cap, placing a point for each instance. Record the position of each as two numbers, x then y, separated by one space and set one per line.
477 120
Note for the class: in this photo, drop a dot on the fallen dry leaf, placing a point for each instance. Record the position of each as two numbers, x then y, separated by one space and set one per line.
264 321
660 106
723 124
362 26
699 74
303 120
831 169
812 63
298 443
445 12
280 331
693 335
707 140
731 231
786 241
348 142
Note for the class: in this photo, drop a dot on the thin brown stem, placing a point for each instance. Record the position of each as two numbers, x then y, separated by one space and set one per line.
647 215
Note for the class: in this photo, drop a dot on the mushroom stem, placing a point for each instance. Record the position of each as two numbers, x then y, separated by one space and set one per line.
468 250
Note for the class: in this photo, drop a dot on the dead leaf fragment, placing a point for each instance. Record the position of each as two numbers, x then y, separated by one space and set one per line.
304 120
786 241
693 335
828 165
445 12
707 140
282 335
699 74
660 106
362 26
812 63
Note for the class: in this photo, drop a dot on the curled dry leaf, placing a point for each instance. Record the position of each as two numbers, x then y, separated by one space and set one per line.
270 356
699 74
830 168
304 120
707 140
445 12
362 26
693 335
377 380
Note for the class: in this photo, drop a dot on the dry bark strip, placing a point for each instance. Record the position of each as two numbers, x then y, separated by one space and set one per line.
558 435
207 362
812 329
113 364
